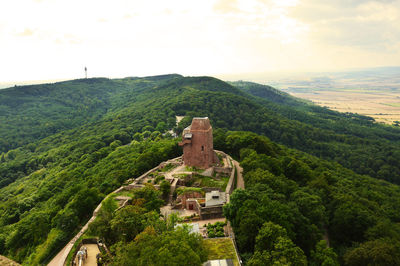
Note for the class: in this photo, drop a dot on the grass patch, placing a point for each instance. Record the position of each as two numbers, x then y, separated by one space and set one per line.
182 190
127 193
221 159
221 248
181 176
206 181
194 169
168 167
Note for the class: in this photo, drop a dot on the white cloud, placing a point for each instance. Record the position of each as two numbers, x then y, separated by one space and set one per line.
373 25
55 39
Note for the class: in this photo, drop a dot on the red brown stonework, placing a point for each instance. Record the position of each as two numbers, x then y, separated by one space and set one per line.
197 142
189 195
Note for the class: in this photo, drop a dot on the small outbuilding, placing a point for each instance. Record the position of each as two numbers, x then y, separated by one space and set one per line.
215 198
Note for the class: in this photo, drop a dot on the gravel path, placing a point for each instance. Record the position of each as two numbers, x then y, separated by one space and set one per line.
240 181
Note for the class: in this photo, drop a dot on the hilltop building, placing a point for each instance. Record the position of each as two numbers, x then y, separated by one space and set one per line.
197 142
209 207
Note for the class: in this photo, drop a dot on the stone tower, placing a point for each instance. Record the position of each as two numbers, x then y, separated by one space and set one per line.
197 142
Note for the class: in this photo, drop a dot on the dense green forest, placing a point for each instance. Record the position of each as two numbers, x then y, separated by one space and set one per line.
294 203
66 145
354 141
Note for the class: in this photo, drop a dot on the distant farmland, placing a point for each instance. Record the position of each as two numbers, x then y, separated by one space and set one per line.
372 92
382 106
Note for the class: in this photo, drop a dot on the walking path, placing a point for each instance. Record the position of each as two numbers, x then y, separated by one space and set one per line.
240 181
57 260
7 262
92 250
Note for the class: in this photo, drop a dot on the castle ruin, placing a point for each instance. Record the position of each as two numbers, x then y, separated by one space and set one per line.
197 143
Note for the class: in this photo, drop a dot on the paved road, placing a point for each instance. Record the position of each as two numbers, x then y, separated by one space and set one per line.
92 250
240 181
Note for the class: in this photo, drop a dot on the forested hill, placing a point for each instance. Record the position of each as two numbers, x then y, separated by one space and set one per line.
30 113
65 146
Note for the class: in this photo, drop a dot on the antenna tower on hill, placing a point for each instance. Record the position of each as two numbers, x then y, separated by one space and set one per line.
86 72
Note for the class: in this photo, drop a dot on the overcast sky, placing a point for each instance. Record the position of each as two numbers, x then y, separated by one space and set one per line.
56 39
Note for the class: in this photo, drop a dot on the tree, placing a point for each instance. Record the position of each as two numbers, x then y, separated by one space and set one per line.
247 231
66 220
238 197
147 128
161 126
101 225
383 251
127 222
284 252
384 228
310 206
155 134
350 221
146 134
176 247
297 170
323 255
268 236
165 188
150 197
138 136
115 144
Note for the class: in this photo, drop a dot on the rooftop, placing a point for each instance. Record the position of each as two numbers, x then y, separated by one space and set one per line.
214 198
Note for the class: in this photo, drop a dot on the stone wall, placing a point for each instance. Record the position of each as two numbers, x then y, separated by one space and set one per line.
231 186
211 212
194 203
223 170
209 189
188 195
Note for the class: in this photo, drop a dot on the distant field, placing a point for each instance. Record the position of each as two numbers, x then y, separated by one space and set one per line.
374 92
383 106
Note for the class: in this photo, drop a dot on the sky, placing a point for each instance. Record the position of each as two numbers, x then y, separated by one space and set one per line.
56 39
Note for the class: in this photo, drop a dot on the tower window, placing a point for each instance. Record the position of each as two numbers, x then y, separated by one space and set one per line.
202 148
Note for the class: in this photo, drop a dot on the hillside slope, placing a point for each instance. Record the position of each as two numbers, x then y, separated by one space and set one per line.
354 141
30 113
51 182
